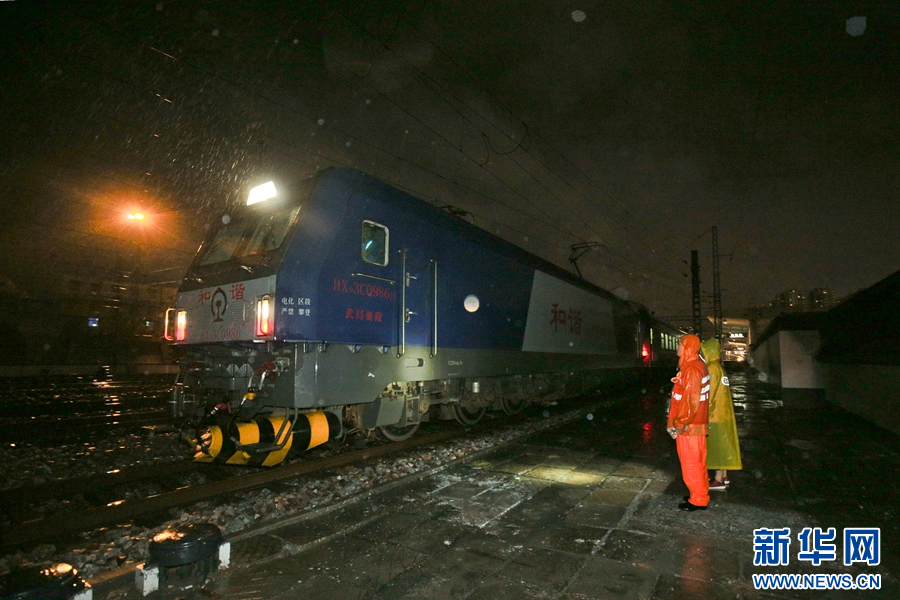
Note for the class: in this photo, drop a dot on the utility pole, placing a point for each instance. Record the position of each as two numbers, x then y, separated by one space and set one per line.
696 318
717 289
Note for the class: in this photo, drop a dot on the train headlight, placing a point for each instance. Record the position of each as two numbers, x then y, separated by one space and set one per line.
261 193
180 325
265 315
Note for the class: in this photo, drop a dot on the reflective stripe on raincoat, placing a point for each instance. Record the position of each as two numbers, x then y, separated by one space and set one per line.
723 450
690 395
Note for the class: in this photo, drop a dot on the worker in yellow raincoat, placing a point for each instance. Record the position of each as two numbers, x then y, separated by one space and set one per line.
723 452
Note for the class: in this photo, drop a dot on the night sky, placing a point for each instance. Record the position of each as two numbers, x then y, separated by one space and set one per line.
638 125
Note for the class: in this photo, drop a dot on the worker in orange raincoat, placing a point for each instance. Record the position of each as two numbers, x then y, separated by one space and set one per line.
688 422
723 452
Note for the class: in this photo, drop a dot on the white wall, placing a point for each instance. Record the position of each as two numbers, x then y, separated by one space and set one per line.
798 367
766 361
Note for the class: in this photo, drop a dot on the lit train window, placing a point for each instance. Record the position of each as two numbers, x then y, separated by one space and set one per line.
374 243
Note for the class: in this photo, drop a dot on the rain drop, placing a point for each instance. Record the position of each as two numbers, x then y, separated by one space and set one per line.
159 6
758 474
644 391
590 416
226 219
296 41
856 26
368 101
546 413
321 121
348 144
578 16
215 32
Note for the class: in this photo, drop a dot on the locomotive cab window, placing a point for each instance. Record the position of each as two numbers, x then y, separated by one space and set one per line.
250 235
374 243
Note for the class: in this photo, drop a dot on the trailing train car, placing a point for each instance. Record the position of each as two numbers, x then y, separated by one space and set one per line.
659 342
342 303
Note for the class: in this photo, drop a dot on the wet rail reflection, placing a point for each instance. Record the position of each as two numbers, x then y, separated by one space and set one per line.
70 408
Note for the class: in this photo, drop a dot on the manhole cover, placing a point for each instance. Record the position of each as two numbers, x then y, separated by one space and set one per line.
185 544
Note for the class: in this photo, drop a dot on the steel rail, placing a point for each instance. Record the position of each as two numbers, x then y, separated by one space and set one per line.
13 498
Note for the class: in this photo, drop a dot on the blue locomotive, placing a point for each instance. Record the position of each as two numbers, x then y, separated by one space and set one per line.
341 303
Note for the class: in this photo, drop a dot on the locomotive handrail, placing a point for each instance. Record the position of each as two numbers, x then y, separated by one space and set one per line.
385 279
178 395
434 342
403 284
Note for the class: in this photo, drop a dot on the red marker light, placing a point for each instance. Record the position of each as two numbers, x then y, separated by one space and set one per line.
264 316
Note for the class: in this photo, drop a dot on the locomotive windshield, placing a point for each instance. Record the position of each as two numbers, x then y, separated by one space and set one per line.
253 234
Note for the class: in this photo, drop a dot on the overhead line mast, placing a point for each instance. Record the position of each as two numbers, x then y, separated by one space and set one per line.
717 288
696 317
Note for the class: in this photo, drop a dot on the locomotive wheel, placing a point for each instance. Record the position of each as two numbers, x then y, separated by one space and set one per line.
468 415
395 433
513 406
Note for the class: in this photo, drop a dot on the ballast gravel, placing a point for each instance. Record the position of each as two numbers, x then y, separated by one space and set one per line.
110 548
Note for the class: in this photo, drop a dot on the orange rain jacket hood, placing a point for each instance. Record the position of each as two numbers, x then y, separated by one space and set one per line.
691 345
690 395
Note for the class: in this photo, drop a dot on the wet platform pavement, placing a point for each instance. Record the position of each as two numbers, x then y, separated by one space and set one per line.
589 510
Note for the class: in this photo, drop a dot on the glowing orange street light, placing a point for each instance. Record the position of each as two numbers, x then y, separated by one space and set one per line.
137 216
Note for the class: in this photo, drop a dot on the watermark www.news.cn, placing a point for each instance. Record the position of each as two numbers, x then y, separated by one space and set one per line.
771 548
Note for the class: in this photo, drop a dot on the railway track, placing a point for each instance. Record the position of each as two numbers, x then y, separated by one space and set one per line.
61 429
19 504
62 410
68 523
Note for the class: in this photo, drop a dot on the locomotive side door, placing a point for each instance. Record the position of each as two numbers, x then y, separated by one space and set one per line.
418 302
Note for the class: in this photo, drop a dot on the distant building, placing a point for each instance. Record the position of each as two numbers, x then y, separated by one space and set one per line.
83 321
848 355
791 300
821 298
